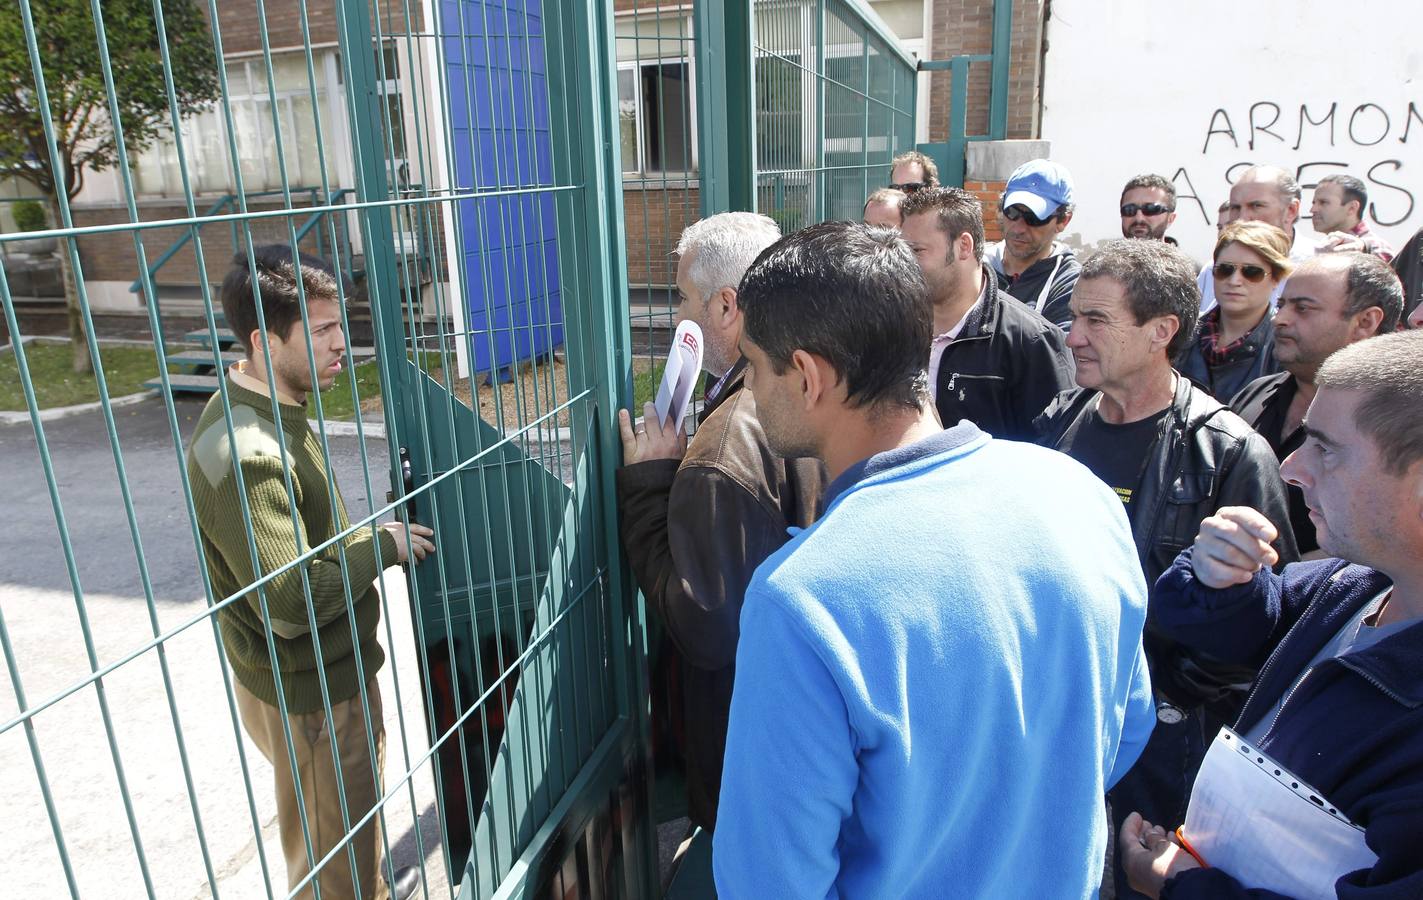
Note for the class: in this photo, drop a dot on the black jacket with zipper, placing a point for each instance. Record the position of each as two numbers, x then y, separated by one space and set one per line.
1204 458
1004 368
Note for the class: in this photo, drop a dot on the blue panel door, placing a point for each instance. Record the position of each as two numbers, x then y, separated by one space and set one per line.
499 113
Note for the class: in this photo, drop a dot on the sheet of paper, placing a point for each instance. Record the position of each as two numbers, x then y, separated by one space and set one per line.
679 379
1254 819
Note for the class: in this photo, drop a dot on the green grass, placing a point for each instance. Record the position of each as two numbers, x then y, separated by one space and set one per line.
644 387
51 368
336 400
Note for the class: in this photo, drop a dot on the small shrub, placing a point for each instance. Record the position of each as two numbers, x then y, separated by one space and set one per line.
29 215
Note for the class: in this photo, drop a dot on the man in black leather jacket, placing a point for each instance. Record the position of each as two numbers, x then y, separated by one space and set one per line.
1174 455
993 360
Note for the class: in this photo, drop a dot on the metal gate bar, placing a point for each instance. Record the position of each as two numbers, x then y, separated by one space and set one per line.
481 139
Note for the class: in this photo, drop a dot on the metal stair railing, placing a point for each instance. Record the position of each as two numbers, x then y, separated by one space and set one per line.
228 202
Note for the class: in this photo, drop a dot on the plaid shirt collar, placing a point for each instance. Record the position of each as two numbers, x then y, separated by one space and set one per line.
1210 339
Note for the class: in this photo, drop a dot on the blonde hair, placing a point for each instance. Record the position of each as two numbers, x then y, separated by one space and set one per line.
1266 241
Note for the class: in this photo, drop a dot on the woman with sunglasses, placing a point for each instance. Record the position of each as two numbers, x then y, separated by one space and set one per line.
1236 341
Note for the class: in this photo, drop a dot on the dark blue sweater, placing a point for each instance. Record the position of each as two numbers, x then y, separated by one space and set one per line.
1353 729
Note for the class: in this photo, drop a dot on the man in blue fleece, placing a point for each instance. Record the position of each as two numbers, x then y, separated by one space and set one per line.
926 704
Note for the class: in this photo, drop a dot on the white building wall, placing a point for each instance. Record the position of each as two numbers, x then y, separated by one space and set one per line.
1197 91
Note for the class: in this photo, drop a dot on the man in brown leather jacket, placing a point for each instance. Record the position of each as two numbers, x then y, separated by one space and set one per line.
699 517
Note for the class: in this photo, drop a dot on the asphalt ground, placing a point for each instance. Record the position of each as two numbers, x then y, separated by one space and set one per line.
45 629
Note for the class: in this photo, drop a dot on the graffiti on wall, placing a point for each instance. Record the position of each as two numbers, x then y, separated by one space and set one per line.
1332 139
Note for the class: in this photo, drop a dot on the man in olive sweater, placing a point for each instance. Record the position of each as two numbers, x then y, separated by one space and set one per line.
256 460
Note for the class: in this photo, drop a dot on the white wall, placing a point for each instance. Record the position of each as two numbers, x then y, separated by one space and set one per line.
1196 91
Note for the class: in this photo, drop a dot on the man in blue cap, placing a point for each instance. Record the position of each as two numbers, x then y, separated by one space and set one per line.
1030 262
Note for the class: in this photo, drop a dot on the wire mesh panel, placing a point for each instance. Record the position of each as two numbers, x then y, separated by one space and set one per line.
448 161
656 59
481 186
834 104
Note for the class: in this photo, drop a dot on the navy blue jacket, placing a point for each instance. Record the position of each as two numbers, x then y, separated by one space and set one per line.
1353 729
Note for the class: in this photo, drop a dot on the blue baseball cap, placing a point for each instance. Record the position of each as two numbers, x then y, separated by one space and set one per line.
1041 185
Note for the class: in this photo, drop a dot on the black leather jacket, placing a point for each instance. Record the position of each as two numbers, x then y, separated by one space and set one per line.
1005 366
1205 458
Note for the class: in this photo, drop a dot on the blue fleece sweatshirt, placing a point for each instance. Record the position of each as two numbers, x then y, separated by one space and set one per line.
932 682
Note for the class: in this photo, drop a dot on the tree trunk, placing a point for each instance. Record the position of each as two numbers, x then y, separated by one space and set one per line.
83 365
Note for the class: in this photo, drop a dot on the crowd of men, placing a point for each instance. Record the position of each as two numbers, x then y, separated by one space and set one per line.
972 542
972 536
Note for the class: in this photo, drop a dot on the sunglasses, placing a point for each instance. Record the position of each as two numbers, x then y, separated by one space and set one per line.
1015 212
1150 209
909 187
1252 274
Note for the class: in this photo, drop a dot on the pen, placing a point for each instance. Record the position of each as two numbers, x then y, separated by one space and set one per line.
1186 845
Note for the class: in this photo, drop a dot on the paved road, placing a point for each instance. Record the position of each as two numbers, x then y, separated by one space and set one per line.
44 628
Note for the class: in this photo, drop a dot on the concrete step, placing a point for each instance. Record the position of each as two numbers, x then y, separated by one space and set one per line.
200 336
192 384
199 358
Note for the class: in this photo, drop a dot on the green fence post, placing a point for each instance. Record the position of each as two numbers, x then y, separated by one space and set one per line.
726 100
998 95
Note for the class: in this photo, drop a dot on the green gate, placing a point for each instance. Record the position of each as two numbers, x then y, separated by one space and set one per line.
500 183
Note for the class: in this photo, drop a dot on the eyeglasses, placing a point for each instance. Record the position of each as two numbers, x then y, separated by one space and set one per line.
909 187
1150 209
1252 274
1016 212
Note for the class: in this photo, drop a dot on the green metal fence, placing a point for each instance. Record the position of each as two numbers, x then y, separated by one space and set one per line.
835 103
499 183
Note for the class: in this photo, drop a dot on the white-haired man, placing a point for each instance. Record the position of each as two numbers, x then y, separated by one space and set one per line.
699 517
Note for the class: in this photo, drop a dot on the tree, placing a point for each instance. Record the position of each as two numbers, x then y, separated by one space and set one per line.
79 103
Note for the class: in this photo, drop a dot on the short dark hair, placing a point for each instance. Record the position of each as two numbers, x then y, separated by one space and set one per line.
1388 371
276 268
1372 282
853 295
1152 181
959 212
1158 280
931 171
1352 187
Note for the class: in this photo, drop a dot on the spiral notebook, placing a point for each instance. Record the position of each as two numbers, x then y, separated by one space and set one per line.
1252 818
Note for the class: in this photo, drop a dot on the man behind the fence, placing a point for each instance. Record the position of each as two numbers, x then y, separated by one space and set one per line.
924 706
264 503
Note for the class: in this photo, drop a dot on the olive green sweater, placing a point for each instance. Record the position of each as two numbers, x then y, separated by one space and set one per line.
278 540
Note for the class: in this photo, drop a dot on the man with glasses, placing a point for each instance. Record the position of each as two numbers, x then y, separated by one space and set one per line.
1030 263
908 172
1148 208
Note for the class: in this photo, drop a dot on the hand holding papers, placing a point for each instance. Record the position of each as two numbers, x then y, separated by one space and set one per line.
1253 819
684 365
661 436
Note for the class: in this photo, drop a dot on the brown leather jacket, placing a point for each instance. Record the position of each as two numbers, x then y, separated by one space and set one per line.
694 532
